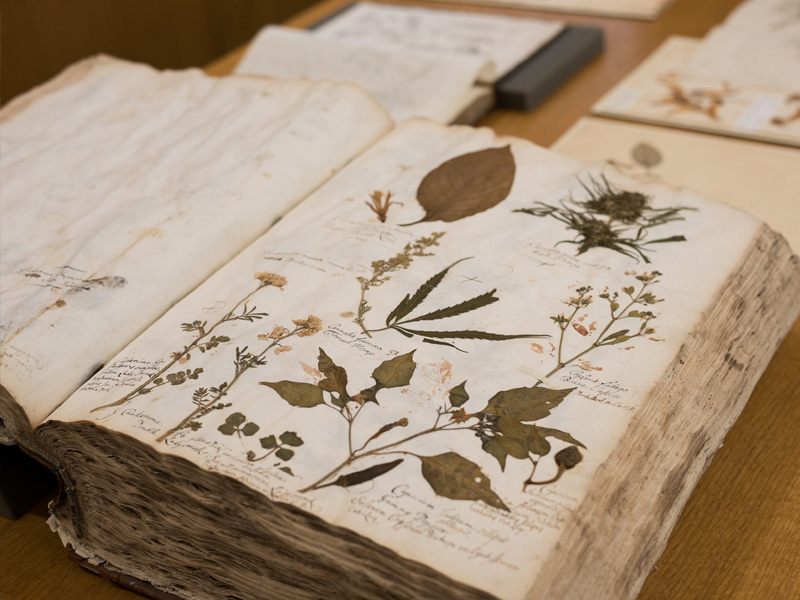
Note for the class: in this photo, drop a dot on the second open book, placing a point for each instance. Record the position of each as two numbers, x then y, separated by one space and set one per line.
464 367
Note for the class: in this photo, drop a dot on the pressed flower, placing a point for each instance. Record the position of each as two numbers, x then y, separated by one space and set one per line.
273 279
309 326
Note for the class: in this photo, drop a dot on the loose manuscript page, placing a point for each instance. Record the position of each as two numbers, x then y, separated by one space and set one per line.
438 350
410 83
125 187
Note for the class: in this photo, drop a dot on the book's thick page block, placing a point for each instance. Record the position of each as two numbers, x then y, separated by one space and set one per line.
741 173
461 367
125 187
662 90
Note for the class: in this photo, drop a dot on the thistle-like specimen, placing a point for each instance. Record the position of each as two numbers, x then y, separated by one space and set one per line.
611 218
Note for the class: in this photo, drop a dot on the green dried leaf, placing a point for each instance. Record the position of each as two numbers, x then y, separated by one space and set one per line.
453 476
568 458
290 438
227 429
304 395
615 335
335 376
284 453
458 395
269 442
286 470
458 309
395 372
559 435
493 447
236 419
365 475
519 440
468 334
409 303
526 403
646 155
674 238
250 429
467 185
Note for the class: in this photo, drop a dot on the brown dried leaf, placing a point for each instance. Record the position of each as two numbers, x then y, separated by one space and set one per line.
466 185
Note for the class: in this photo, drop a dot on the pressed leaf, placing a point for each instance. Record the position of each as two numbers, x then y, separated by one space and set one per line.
286 470
365 475
646 155
559 435
493 447
458 309
568 457
335 376
227 429
453 476
409 303
467 185
250 429
284 453
290 438
269 442
430 341
304 395
458 395
615 335
395 372
236 419
468 334
519 439
525 403
674 238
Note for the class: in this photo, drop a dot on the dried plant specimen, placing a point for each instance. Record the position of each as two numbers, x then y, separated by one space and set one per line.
611 218
203 341
698 100
466 185
793 102
206 400
400 319
380 204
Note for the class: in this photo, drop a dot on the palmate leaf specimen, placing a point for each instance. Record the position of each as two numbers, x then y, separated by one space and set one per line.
618 220
402 320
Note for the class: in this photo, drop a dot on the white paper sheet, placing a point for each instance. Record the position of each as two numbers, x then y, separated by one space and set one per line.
505 41
407 84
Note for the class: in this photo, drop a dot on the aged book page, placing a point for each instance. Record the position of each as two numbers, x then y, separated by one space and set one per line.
408 84
439 351
125 187
662 91
737 172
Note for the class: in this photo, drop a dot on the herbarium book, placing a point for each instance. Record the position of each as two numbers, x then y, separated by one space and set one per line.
463 367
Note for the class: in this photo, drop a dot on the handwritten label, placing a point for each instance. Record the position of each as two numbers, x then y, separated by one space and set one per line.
551 257
590 387
357 343
126 372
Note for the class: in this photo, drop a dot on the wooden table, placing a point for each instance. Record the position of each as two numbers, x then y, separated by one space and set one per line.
739 535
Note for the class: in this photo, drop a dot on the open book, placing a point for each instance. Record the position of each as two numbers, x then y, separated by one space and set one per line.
463 367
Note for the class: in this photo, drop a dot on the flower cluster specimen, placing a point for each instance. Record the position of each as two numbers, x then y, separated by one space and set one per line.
203 341
207 400
618 220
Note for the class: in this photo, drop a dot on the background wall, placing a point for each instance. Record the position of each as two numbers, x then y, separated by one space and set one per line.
41 37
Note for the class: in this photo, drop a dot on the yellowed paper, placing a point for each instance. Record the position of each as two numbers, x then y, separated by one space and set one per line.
633 9
661 91
126 187
328 392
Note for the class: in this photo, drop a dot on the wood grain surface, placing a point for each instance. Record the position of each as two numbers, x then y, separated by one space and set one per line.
739 535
